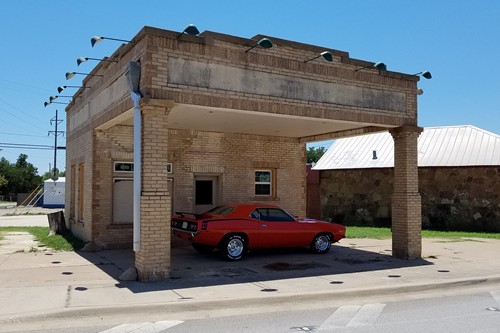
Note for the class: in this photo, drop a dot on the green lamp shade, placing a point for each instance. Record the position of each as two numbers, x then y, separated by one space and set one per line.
95 39
427 75
265 43
69 75
380 66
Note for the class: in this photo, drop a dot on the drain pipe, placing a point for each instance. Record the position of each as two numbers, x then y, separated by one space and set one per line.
133 76
136 97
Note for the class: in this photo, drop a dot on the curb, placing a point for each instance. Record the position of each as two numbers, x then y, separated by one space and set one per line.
183 306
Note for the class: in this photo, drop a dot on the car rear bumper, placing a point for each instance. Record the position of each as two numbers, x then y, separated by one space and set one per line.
186 235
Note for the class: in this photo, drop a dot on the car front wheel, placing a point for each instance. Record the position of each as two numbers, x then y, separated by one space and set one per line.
321 244
233 247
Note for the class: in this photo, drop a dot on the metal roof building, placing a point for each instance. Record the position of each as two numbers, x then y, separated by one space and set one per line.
449 146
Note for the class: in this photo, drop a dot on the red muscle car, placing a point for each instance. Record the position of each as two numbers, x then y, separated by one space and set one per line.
236 228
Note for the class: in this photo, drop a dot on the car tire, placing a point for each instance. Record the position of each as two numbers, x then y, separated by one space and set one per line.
321 243
203 248
233 247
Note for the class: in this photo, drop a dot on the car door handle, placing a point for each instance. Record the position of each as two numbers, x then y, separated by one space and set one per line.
264 226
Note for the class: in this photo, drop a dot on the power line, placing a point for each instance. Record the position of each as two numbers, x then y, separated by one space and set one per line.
17 134
17 84
27 146
15 116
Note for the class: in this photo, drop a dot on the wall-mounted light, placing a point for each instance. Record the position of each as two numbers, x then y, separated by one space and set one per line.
265 43
420 91
326 55
52 98
61 88
190 29
97 39
84 59
69 75
378 65
51 102
425 74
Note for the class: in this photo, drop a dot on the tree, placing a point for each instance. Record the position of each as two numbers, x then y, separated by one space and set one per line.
22 177
314 154
3 181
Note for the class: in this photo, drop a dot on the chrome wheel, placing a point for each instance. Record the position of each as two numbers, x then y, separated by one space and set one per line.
233 247
321 244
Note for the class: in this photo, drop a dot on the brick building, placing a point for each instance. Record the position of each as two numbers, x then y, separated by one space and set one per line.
220 122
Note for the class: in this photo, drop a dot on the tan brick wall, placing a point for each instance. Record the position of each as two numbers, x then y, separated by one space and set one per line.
406 206
78 152
280 60
112 145
153 257
235 157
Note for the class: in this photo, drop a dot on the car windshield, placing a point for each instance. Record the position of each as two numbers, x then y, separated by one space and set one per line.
220 210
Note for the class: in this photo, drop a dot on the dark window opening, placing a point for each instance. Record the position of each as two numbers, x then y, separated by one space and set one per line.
204 192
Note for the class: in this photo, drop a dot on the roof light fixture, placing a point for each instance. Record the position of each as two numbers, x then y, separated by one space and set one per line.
425 74
326 55
378 65
190 29
51 102
265 43
84 59
69 75
97 39
52 98
61 88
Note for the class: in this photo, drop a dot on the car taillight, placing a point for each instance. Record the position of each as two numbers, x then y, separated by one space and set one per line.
204 225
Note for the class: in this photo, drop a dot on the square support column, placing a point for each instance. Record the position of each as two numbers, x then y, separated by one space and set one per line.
152 261
406 202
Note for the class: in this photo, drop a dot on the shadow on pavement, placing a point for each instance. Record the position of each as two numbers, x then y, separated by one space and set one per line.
191 269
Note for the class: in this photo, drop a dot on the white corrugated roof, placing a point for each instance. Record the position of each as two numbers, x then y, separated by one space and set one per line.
437 146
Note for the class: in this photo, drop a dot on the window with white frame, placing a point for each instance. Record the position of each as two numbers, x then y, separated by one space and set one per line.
263 183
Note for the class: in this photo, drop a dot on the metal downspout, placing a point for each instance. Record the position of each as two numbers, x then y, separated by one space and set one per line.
136 97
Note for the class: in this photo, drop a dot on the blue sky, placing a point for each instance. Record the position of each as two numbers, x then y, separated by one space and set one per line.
458 41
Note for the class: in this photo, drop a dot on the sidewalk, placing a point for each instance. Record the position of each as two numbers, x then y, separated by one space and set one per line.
46 284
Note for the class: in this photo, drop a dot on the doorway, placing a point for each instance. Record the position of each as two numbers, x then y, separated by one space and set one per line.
206 193
123 210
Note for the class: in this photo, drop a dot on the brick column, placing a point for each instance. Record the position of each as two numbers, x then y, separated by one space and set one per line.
153 259
406 206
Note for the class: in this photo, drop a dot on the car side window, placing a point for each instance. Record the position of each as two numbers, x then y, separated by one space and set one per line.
255 214
274 214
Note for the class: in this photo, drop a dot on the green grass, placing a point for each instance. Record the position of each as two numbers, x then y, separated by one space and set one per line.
41 234
385 233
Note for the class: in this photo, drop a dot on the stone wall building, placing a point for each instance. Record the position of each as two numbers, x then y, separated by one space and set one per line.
219 119
459 179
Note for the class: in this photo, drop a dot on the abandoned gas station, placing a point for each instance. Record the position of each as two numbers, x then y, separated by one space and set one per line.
177 121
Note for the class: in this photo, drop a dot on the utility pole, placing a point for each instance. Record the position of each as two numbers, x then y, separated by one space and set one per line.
55 121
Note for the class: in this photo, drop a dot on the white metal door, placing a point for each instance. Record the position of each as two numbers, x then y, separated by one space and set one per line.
123 200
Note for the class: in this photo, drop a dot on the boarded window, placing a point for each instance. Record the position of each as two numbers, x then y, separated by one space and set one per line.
81 182
73 192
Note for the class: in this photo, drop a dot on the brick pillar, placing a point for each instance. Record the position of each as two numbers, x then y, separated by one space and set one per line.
152 261
406 206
